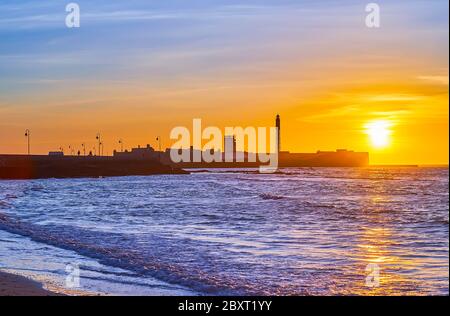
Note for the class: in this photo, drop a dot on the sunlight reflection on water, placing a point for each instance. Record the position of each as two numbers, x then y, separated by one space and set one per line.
303 231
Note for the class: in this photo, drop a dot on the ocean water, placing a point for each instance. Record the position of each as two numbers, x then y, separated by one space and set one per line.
306 231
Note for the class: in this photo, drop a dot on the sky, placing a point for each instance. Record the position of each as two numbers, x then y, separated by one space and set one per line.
134 70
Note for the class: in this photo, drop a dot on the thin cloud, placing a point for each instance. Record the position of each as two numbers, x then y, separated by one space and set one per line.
443 80
394 97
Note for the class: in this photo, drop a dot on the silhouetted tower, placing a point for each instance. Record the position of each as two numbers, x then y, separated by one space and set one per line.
278 126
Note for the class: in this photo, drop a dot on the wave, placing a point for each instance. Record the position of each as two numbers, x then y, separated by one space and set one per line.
268 196
118 250
225 234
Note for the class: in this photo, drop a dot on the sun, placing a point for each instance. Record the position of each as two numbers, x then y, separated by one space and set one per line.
379 133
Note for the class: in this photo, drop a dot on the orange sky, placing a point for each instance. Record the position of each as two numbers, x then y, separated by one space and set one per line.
327 85
417 111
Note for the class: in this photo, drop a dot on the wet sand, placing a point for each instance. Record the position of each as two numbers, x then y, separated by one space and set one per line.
14 285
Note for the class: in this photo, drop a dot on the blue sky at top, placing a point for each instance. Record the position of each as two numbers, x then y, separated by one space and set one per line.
159 40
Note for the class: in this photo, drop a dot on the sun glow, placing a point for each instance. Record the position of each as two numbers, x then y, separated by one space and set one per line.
379 133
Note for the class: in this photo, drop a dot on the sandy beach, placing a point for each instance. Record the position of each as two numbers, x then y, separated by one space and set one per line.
14 285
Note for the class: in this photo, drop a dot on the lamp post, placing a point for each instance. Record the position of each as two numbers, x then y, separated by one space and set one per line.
27 135
99 138
159 140
71 150
121 145
84 149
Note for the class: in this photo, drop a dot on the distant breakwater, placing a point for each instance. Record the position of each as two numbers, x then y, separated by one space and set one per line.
41 167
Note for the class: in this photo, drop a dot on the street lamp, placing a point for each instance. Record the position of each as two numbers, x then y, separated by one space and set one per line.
84 149
99 138
27 135
121 145
71 150
159 140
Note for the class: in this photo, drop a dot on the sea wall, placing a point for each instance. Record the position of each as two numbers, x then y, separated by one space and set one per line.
35 167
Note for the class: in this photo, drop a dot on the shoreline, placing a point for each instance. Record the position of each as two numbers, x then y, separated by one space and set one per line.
16 285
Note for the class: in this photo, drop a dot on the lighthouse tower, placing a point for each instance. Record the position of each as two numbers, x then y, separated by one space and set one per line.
278 126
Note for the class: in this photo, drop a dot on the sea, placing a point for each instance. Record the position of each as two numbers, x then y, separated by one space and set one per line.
300 231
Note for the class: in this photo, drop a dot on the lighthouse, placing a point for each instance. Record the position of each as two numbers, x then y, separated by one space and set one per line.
278 126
